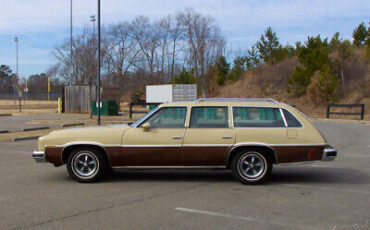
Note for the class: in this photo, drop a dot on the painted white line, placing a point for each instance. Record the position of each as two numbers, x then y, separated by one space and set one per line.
328 189
225 215
356 155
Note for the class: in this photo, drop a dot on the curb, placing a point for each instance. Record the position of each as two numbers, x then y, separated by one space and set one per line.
72 124
25 138
35 128
4 131
5 114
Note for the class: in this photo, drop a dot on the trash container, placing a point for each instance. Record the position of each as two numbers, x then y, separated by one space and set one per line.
107 108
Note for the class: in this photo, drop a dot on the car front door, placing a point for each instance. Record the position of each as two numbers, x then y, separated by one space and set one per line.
156 141
208 138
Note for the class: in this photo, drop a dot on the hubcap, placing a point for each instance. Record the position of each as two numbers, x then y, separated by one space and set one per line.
251 165
85 164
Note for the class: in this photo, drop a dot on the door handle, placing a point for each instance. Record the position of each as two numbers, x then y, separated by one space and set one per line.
176 137
227 137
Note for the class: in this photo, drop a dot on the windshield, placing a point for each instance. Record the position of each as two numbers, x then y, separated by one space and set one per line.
138 121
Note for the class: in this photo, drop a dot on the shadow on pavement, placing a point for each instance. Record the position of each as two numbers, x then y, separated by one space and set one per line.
279 176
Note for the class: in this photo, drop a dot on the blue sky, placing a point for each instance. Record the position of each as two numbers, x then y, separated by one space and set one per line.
41 25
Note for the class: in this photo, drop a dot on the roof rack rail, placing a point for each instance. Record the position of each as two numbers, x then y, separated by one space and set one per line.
237 100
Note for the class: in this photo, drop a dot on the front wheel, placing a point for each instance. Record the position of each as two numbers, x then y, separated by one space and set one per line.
86 165
251 166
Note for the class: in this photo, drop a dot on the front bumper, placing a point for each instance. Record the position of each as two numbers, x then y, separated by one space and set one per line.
329 154
39 156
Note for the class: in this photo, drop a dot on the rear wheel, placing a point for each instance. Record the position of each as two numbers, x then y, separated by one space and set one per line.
251 166
86 165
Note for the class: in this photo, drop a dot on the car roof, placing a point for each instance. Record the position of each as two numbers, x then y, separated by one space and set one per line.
258 102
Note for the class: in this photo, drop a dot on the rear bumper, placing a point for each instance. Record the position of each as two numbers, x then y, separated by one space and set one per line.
39 156
329 154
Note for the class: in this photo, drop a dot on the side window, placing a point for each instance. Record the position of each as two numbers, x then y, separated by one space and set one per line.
209 117
257 117
169 117
291 120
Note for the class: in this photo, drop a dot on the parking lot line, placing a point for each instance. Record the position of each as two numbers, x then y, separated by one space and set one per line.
328 189
225 215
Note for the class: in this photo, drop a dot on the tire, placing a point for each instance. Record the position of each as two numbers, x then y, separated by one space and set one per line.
251 166
86 165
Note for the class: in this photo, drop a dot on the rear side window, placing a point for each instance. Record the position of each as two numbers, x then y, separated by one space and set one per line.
291 120
257 117
209 117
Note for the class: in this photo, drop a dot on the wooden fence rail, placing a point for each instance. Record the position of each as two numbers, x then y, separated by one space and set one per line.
362 106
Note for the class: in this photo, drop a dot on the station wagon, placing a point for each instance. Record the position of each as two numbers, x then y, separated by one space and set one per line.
246 136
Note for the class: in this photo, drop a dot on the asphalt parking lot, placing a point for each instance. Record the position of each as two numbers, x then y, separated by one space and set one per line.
332 195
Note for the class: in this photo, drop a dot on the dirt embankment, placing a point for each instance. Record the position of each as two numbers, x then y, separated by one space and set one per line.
271 81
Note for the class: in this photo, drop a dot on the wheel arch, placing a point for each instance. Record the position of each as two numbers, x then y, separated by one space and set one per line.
265 148
68 150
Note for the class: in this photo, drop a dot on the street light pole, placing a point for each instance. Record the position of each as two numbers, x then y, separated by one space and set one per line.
72 69
15 81
98 62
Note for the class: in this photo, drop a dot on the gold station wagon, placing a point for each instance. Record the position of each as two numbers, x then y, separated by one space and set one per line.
247 136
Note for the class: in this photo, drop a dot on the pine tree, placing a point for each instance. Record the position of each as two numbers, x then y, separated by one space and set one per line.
222 69
360 35
268 45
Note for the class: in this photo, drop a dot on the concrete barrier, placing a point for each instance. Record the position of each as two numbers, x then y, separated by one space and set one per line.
5 114
35 128
25 138
72 124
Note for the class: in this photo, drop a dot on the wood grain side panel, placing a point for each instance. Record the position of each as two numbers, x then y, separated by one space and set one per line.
204 155
288 154
54 155
145 156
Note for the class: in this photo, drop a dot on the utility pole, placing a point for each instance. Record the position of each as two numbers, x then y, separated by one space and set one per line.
98 62
72 68
15 81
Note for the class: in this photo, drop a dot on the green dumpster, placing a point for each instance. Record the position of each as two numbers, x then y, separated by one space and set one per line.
107 108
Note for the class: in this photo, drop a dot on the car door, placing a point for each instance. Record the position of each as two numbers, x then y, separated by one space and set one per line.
208 138
156 145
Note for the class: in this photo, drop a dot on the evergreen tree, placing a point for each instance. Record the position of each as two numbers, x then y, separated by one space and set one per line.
222 68
360 35
184 77
267 46
238 69
313 55
252 59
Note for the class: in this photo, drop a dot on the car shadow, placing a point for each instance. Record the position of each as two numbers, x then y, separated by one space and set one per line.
327 175
280 175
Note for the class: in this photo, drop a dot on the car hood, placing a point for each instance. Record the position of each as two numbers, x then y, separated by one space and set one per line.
109 135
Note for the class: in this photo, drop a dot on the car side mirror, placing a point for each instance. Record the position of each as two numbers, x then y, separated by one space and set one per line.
146 127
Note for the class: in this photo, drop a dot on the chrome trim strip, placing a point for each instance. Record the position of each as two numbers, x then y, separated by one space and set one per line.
39 156
207 145
170 167
283 116
267 145
149 146
87 143
190 145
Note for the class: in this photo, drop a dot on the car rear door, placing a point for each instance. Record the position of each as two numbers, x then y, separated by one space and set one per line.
208 137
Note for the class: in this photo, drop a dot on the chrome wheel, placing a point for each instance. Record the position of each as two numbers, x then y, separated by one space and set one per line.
85 164
252 165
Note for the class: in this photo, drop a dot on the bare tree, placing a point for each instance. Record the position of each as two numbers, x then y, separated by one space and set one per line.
148 38
123 52
205 43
